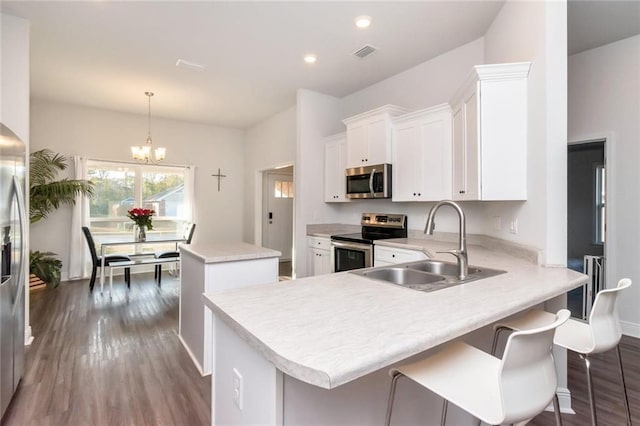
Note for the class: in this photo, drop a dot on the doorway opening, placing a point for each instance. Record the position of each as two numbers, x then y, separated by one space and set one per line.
277 216
586 221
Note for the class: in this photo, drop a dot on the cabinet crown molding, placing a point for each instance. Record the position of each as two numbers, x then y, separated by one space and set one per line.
491 72
503 71
337 136
391 110
421 112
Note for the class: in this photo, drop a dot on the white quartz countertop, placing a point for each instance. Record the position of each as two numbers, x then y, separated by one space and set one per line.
332 329
228 251
326 230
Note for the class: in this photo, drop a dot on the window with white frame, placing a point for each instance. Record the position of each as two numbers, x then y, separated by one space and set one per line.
120 187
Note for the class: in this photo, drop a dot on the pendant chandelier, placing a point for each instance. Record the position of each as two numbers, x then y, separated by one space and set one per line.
143 153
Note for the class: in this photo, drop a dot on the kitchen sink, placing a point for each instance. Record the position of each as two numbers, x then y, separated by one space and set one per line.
440 268
402 276
426 275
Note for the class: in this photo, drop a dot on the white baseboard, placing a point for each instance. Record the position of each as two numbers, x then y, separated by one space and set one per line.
28 337
193 358
630 329
564 398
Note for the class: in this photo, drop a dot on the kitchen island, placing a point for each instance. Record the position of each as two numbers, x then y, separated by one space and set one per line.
317 350
211 267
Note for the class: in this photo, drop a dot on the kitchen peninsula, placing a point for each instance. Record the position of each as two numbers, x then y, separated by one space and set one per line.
211 267
317 350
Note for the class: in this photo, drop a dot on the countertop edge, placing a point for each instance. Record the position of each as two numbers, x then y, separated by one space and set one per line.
291 368
325 380
259 253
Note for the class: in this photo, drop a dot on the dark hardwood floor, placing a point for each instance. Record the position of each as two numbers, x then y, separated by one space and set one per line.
101 361
606 383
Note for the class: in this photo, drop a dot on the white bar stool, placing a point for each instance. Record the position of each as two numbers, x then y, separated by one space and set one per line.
509 390
600 334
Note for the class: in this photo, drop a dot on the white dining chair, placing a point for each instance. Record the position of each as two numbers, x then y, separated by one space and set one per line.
600 334
509 390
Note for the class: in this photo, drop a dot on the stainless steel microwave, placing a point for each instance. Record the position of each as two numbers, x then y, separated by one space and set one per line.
369 181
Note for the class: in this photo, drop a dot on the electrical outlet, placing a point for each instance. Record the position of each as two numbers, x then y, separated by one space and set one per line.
237 388
513 227
497 223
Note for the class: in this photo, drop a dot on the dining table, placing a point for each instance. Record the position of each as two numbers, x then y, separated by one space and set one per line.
124 240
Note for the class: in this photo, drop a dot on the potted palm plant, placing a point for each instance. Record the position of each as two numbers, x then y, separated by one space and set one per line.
46 194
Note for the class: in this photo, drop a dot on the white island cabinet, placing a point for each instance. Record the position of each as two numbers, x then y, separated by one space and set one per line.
317 350
211 267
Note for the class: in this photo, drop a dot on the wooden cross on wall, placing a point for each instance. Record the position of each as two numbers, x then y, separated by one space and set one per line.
219 176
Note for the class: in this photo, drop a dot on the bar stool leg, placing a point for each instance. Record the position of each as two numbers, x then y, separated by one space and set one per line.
592 398
392 395
110 282
624 387
556 410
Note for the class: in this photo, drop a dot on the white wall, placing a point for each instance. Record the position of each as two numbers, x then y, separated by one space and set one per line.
108 135
318 115
604 101
268 144
536 32
14 74
14 98
427 84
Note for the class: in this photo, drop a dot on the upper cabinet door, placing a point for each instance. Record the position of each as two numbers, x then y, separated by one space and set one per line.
379 140
357 148
421 148
334 169
369 136
490 134
406 154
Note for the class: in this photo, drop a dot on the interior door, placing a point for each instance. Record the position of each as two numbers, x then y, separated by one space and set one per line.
277 222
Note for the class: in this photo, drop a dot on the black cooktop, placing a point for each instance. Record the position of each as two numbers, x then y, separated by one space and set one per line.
376 227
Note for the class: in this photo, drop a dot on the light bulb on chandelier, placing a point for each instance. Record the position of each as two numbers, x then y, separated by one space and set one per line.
143 153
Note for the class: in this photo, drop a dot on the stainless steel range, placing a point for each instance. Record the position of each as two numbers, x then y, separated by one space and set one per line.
355 251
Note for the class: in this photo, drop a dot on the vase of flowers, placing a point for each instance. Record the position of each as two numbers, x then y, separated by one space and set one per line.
142 219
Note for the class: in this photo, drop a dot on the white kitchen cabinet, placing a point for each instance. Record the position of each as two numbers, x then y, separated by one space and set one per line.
385 256
369 136
490 134
335 159
319 255
421 155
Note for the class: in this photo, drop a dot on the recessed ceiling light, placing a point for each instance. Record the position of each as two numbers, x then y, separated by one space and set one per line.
310 58
363 21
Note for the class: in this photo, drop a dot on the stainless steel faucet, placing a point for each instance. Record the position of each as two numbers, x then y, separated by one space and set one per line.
461 252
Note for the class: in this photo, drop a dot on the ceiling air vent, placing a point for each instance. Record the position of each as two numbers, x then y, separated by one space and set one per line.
365 51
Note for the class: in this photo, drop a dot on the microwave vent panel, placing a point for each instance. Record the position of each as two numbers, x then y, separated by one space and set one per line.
365 51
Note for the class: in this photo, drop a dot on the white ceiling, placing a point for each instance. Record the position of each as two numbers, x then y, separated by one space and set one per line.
106 54
592 24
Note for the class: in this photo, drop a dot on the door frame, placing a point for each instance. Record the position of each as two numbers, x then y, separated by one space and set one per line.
259 205
610 206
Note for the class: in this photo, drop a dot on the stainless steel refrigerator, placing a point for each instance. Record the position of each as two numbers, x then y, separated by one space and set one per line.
13 263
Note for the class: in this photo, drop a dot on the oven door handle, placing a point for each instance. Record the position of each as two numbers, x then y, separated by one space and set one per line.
351 245
371 182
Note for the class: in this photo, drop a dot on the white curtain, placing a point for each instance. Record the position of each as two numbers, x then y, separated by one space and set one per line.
79 256
189 193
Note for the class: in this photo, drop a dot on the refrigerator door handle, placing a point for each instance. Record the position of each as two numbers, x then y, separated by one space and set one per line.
23 247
